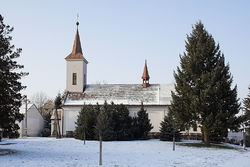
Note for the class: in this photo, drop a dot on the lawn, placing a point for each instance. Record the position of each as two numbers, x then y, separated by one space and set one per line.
202 145
68 152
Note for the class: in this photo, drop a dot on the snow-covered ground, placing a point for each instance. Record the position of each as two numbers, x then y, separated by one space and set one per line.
67 152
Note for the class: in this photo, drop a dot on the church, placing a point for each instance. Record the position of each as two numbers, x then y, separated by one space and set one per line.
155 97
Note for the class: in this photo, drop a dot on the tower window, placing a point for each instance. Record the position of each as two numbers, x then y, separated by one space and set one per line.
74 81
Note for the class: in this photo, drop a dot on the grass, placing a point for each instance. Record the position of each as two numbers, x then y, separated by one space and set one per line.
220 146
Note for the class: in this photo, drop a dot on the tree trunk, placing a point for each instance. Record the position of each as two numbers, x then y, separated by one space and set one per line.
58 133
206 137
244 139
84 136
174 141
54 133
100 156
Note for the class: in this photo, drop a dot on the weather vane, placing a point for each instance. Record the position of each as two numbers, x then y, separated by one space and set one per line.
77 18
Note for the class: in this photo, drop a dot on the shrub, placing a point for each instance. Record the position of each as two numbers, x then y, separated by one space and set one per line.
46 132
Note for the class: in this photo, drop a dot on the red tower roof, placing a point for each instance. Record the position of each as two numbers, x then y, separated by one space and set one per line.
77 48
145 75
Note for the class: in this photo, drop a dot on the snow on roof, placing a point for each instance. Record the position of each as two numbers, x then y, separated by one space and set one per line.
127 94
23 108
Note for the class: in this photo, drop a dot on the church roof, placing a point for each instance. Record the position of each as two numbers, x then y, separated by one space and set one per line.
127 94
77 48
145 74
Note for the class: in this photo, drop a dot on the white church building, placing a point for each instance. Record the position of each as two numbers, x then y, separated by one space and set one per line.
155 97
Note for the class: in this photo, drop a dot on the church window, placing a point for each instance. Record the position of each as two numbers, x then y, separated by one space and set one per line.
74 79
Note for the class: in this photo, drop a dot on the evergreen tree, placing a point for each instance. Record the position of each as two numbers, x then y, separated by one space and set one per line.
86 121
119 125
203 92
81 124
134 128
143 123
108 110
10 85
168 129
246 116
122 123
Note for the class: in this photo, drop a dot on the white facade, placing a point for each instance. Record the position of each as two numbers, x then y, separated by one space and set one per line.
156 115
79 67
35 121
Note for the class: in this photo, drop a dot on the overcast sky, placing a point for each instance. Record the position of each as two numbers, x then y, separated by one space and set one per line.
118 35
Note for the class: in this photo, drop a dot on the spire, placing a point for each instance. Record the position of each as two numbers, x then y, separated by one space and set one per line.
145 76
77 48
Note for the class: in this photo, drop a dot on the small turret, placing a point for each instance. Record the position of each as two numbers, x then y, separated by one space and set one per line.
145 76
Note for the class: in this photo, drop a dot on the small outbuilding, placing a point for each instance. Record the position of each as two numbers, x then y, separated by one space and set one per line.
35 121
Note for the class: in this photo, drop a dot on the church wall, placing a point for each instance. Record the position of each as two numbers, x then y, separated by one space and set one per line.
69 118
156 115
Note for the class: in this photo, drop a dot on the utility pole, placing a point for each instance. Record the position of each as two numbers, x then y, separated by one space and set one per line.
100 152
173 134
26 101
244 134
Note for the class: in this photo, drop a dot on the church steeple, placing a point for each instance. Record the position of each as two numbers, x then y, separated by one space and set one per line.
145 76
76 67
77 48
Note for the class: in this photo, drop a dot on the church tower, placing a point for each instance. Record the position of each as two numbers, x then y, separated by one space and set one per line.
76 79
145 76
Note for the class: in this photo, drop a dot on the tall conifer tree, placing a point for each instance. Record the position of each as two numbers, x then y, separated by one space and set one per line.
204 93
10 85
169 129
143 123
246 116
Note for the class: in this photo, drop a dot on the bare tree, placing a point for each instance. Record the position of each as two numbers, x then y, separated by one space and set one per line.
47 108
39 99
101 126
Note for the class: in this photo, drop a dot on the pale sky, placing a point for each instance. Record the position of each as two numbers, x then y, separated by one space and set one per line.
118 35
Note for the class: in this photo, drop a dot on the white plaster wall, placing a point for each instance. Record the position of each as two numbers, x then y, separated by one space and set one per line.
80 68
69 118
192 131
35 123
155 113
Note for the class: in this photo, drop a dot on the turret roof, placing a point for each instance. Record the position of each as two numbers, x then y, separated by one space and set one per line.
145 74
